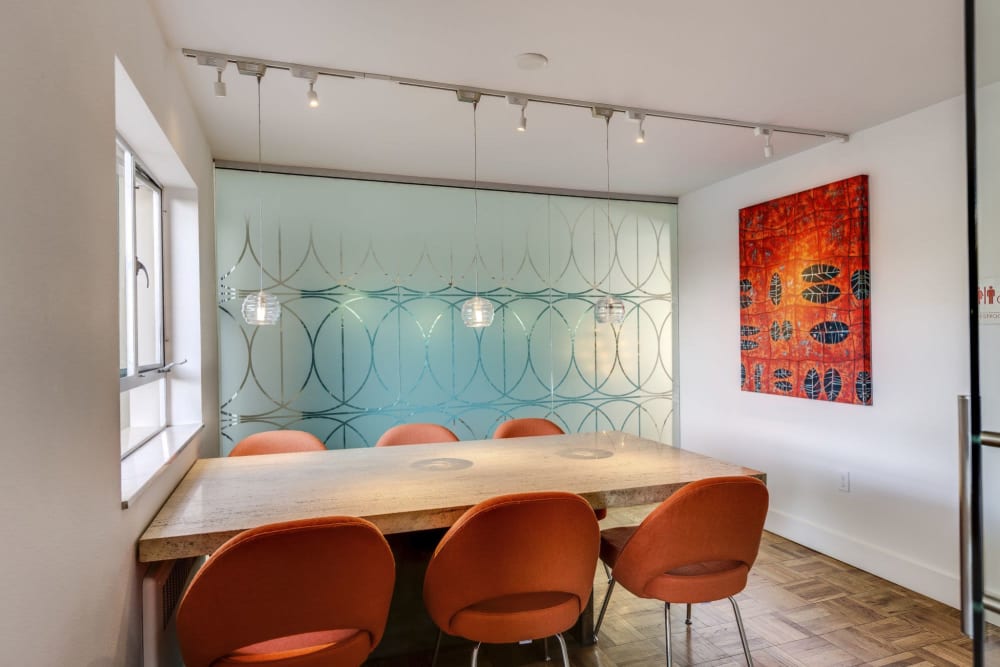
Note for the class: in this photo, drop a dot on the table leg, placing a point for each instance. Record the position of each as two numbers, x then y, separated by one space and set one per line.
583 631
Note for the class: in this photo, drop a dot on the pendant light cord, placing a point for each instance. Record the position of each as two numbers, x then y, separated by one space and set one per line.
260 189
607 164
475 189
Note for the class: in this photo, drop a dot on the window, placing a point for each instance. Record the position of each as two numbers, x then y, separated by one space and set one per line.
140 303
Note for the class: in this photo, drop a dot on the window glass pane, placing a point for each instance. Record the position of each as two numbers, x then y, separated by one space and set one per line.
148 285
142 396
143 414
123 203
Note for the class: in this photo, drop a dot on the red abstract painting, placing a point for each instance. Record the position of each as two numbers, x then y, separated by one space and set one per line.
805 314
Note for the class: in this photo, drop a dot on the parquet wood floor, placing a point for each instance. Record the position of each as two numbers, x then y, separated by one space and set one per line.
800 608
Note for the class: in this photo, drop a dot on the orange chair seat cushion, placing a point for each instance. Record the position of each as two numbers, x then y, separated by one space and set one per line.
330 647
613 541
516 617
697 582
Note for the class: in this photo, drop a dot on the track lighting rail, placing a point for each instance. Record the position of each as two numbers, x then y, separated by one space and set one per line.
528 97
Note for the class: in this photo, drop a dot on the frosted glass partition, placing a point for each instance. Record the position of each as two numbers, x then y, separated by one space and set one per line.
371 278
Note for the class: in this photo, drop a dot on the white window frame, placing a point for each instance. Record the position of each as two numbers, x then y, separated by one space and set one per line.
133 375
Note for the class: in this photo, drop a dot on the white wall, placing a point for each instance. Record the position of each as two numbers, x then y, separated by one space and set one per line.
900 518
68 575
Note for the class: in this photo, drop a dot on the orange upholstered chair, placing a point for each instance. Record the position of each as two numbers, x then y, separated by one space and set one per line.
277 442
307 593
415 434
697 546
514 568
527 426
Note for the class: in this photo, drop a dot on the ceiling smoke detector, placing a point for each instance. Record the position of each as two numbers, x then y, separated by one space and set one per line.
531 61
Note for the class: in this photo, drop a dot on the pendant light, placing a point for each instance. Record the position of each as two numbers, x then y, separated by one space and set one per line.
260 308
608 309
477 312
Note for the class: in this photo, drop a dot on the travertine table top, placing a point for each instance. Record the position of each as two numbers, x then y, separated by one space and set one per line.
413 487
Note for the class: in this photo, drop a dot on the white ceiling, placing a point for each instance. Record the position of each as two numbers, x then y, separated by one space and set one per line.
841 66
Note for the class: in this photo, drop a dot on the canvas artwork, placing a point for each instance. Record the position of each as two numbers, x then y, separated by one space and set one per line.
805 314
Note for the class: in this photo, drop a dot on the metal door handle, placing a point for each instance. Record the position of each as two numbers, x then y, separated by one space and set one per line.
965 512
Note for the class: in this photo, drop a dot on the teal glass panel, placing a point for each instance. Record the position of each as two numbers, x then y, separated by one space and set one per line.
372 276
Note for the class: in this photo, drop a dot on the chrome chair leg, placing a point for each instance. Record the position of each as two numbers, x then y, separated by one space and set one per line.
475 655
562 647
743 632
545 645
437 648
666 628
607 571
687 619
604 607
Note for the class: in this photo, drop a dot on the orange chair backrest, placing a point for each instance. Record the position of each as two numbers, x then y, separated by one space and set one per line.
517 543
715 519
286 579
277 442
415 434
522 428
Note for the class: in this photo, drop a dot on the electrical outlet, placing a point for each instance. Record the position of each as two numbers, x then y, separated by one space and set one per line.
845 481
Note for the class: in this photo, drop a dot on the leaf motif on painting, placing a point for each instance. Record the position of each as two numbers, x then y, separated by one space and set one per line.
830 332
783 386
746 330
811 385
863 387
745 285
745 301
817 273
861 284
746 344
824 293
774 292
743 375
758 372
782 373
832 384
782 331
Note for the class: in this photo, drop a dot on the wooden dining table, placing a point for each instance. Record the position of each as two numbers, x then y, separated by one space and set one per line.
408 491
414 487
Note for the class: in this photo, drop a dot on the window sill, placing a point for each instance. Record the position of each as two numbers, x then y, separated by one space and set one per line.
143 465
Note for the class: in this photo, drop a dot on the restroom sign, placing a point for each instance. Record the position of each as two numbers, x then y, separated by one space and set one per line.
989 301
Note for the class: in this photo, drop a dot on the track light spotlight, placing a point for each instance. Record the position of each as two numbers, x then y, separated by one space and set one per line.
766 133
220 85
219 63
522 125
310 75
638 117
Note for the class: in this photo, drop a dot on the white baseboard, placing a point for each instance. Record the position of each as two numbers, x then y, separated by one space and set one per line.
893 566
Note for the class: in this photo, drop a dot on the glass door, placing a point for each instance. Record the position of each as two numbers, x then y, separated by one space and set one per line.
981 447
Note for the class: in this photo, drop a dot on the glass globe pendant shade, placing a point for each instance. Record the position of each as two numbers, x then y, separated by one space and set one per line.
261 309
477 312
609 310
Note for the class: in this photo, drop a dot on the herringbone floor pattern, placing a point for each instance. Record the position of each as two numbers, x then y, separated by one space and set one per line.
800 608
